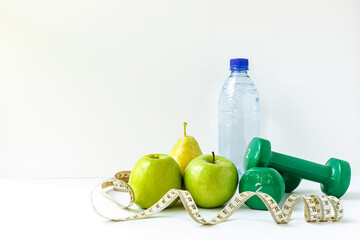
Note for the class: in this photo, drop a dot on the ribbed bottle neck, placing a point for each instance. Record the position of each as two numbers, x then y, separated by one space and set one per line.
239 72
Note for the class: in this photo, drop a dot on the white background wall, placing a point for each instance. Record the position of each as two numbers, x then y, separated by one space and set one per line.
88 87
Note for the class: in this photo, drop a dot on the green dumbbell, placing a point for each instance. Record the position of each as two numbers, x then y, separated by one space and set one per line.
265 180
334 176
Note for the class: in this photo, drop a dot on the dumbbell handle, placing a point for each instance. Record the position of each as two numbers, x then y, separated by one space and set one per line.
300 168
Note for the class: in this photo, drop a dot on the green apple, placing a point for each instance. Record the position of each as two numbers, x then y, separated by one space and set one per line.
211 180
153 176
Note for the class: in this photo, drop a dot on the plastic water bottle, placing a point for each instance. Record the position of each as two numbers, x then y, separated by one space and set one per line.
239 113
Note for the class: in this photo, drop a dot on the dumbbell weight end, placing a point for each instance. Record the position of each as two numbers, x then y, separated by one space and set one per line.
291 183
340 178
266 180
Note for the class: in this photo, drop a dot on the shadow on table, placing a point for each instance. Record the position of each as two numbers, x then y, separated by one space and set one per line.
351 196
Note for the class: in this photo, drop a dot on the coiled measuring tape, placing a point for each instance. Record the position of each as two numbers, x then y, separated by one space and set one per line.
316 208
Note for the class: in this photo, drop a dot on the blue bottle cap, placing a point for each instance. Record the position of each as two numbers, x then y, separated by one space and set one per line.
239 64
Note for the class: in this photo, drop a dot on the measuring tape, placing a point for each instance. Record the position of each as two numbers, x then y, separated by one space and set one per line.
316 208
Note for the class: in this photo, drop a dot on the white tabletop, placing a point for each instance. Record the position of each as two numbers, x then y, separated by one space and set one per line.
60 209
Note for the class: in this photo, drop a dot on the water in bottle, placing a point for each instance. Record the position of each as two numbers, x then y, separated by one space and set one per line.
239 113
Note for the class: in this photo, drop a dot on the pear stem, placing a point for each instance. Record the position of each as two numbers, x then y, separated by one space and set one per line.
185 129
213 157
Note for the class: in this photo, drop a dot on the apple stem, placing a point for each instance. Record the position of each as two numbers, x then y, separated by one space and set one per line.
213 157
185 129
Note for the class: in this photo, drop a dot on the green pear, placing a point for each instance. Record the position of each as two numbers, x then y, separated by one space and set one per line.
185 150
